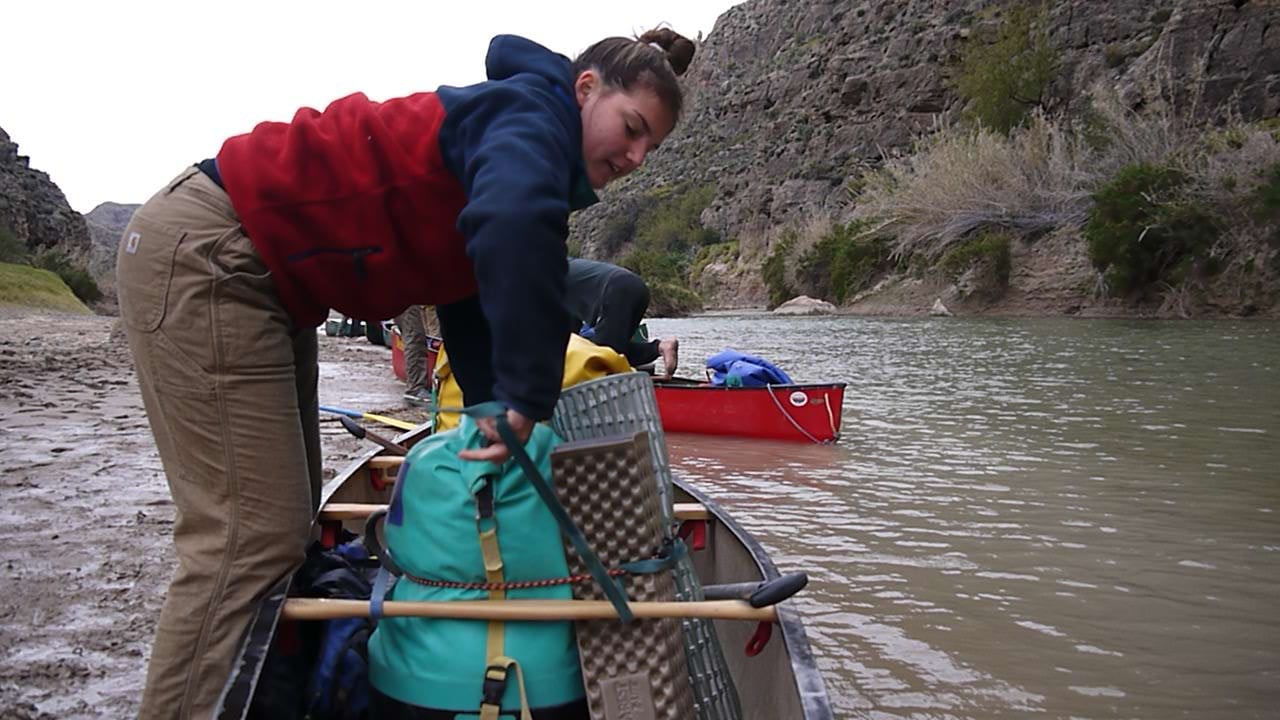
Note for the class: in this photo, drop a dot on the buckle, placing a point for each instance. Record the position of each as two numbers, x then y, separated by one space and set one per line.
484 500
495 685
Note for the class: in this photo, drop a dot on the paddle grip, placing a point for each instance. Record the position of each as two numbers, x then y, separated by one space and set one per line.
352 426
772 592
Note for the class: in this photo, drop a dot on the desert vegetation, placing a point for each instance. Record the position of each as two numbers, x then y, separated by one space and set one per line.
670 243
1165 200
72 272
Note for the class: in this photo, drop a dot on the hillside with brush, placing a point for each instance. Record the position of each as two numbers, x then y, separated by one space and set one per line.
1075 157
40 231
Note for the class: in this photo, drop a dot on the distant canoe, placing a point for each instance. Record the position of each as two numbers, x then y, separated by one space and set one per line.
796 413
800 413
397 354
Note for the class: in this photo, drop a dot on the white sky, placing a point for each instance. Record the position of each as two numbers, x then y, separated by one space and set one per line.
113 98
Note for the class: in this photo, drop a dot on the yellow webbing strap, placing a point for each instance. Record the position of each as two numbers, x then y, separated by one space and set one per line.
494 647
498 662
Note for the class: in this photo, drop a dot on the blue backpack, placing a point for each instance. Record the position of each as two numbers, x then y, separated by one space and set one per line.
318 670
338 685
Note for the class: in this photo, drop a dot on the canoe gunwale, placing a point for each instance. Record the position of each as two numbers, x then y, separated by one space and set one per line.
810 686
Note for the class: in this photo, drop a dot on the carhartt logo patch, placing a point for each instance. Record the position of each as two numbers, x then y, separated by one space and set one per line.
131 244
628 697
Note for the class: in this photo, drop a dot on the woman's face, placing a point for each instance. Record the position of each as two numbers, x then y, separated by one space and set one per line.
619 127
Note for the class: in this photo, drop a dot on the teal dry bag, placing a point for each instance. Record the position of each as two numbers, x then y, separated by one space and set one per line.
447 516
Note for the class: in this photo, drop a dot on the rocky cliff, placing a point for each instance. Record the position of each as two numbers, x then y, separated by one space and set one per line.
106 222
787 101
34 209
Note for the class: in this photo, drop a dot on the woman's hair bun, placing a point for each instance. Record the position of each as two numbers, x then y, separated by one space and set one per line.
679 48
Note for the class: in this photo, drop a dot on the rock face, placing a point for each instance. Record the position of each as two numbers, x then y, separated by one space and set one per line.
34 209
106 222
786 101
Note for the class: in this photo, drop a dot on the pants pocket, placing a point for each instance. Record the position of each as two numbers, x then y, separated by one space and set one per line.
144 270
193 421
252 325
191 432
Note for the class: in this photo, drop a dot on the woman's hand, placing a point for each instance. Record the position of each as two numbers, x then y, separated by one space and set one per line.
497 452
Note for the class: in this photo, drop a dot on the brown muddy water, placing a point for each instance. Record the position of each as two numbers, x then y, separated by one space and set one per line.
1024 518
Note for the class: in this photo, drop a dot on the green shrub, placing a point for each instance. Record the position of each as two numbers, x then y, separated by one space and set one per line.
655 266
1142 230
668 235
774 270
1266 204
1266 198
664 273
674 224
990 248
842 262
33 287
1113 54
672 300
13 250
1005 79
73 274
708 254
1270 125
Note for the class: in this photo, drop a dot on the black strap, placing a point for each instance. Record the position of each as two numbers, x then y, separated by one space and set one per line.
612 589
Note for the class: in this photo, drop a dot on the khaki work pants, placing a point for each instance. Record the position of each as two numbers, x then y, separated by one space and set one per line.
417 323
229 386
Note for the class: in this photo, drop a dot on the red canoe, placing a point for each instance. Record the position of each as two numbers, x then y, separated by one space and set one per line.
397 355
800 413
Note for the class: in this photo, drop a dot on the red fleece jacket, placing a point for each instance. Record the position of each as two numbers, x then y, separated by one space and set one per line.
328 200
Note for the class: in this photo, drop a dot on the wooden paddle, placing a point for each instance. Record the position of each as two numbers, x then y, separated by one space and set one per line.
357 511
329 609
365 434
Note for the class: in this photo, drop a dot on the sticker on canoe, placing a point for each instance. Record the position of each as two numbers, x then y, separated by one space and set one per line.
798 398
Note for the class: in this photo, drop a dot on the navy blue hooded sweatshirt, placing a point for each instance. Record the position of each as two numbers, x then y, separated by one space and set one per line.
515 144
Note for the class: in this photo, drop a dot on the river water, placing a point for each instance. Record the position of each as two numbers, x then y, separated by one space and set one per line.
1024 518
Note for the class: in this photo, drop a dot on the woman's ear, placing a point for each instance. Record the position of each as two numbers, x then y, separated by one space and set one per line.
588 82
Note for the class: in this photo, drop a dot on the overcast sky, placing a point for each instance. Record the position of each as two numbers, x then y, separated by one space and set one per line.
113 98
